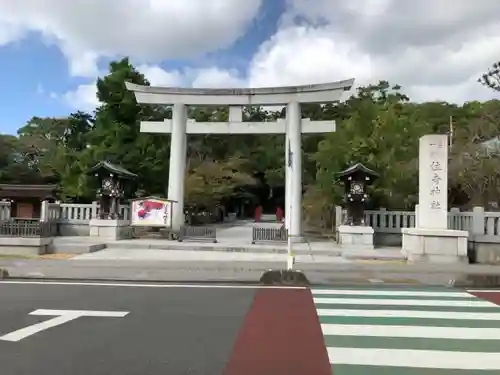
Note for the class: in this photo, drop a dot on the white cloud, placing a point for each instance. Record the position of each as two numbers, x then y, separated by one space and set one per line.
159 77
40 90
84 97
150 30
215 77
9 32
304 55
436 49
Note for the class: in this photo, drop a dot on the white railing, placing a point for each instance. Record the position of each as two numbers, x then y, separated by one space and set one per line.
4 211
77 213
53 211
492 224
389 221
477 222
82 213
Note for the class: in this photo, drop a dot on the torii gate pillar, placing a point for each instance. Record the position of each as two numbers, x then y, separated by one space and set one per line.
177 168
294 168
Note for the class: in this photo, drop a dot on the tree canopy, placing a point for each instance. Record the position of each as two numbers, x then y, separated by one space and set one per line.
377 125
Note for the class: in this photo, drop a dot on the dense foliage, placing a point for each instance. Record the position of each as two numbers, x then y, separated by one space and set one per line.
378 126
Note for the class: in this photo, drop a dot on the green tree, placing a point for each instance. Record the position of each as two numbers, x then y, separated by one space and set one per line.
210 182
491 78
378 128
116 134
54 145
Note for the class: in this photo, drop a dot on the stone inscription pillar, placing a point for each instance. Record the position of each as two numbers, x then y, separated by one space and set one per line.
433 182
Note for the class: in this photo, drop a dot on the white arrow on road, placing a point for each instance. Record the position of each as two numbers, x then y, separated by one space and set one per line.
61 317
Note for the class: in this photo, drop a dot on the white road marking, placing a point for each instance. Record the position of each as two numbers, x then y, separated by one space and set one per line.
399 293
108 314
139 285
414 358
411 314
61 317
483 290
404 302
459 333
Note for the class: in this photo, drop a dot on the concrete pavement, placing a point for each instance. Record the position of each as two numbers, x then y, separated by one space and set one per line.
251 271
172 266
235 237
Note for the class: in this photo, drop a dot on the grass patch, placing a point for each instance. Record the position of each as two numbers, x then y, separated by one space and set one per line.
57 256
15 256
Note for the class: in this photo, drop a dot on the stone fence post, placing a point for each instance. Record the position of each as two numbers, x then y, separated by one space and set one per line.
44 211
93 210
383 217
5 206
338 216
477 227
454 221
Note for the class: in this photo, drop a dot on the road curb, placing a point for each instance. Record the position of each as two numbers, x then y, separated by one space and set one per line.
478 281
4 274
135 281
284 277
248 249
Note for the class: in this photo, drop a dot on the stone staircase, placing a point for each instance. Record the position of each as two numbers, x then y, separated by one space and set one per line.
75 245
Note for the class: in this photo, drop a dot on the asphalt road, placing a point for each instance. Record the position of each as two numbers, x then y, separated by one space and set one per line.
157 329
109 328
166 330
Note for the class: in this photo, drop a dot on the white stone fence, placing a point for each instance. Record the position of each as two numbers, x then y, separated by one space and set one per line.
482 225
73 218
82 213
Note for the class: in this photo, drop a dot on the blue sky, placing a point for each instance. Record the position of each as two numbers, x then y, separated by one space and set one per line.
33 72
51 51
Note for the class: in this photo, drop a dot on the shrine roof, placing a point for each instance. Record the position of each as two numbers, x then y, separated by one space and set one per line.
358 167
112 168
26 190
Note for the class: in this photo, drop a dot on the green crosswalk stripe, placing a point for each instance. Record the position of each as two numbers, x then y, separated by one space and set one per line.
410 322
378 370
405 308
410 331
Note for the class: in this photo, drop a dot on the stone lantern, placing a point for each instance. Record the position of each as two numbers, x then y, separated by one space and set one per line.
353 231
356 180
110 224
112 179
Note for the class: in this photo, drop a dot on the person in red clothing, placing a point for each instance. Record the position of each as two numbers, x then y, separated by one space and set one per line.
279 214
258 213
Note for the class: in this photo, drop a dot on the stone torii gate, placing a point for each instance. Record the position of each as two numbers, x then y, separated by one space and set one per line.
293 127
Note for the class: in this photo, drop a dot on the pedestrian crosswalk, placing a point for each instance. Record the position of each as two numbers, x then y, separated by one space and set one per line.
408 331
